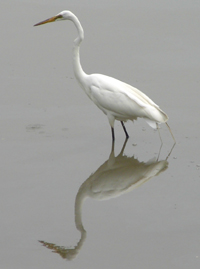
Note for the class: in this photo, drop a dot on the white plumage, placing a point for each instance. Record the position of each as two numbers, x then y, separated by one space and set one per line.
124 102
118 100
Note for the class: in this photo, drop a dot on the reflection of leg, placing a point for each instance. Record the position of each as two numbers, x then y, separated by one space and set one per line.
127 136
159 151
124 145
113 134
170 151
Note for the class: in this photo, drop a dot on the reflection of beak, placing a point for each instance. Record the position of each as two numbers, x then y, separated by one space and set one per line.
49 20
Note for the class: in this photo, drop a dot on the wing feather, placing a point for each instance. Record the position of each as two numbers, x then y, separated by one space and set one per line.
122 100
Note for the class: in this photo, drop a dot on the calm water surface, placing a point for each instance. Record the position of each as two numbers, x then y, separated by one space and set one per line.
68 198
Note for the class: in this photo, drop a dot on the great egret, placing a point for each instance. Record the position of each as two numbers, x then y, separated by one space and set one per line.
118 100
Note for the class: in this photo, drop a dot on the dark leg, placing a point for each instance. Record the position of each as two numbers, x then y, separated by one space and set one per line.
122 150
127 136
113 134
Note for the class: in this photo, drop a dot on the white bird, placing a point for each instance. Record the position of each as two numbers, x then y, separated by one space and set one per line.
118 100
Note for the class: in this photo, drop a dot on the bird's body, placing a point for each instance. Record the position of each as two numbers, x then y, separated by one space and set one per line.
118 100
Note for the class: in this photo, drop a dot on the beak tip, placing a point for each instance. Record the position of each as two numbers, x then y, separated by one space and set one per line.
35 25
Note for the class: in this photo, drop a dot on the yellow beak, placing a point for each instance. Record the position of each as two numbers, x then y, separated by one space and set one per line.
49 20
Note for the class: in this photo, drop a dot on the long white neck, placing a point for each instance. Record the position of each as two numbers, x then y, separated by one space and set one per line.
78 71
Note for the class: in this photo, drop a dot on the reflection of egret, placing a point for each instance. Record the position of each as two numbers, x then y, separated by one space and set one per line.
116 176
118 100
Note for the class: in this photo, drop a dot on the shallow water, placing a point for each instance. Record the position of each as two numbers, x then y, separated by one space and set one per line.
142 206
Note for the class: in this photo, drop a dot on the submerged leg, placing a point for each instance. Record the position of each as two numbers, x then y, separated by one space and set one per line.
170 132
113 134
127 136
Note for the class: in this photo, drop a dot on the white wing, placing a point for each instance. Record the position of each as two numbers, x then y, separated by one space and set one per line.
122 100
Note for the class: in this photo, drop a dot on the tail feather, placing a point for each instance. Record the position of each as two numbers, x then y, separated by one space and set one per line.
155 114
151 123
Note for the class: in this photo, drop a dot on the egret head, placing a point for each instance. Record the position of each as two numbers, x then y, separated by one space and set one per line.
64 15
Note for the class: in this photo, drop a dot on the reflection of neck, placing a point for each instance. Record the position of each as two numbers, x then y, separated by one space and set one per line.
71 253
80 198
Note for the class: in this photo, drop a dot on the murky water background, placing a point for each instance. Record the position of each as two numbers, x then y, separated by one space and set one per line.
142 206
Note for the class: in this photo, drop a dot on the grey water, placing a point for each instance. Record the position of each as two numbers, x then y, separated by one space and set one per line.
68 198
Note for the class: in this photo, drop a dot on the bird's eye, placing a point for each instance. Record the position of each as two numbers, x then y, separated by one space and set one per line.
59 17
